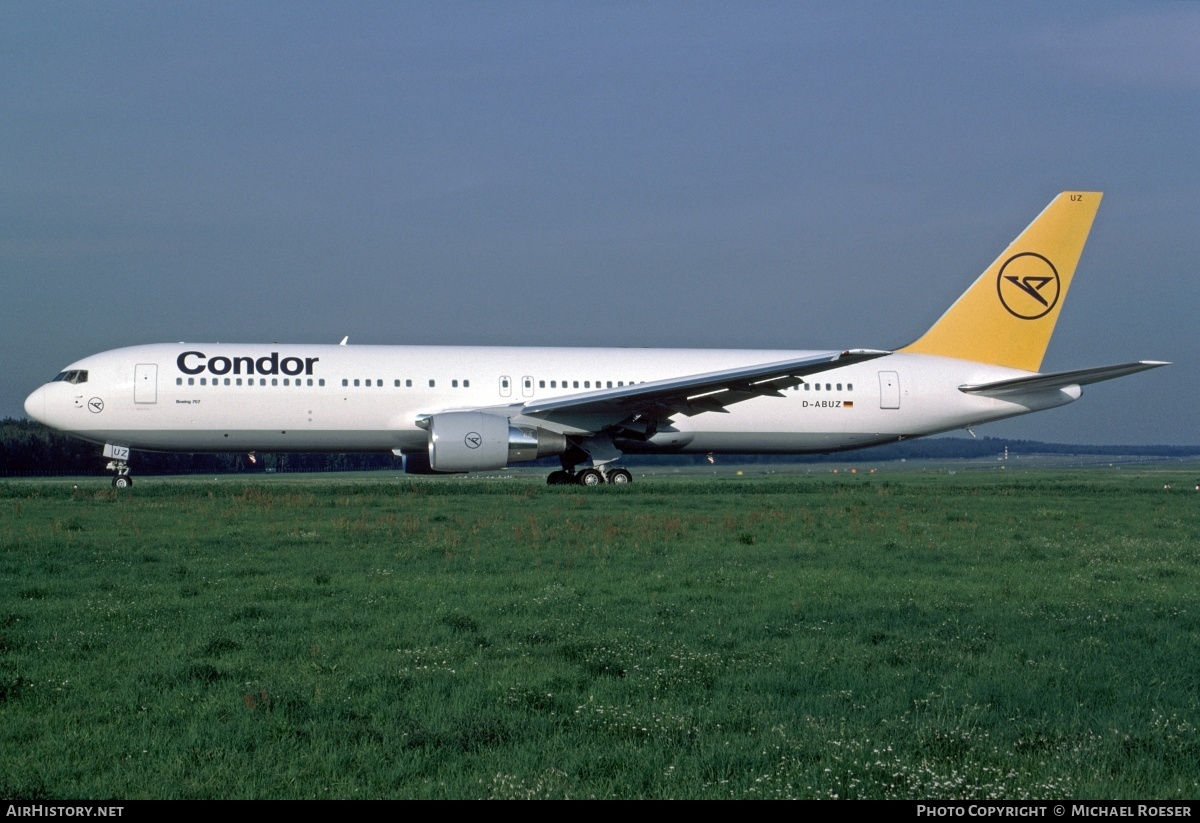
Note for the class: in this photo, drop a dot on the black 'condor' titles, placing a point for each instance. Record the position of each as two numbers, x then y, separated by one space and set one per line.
268 364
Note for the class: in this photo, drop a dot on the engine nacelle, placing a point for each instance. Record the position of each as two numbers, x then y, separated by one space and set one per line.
476 441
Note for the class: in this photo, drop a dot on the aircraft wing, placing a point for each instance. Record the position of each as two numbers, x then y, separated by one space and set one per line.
1059 380
690 395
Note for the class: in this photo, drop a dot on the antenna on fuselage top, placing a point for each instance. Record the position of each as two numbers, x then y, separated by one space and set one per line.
344 340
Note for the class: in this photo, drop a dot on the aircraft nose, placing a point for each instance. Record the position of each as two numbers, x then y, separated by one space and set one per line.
35 405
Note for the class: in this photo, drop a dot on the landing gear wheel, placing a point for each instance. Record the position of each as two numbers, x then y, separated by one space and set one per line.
589 477
559 478
122 481
619 477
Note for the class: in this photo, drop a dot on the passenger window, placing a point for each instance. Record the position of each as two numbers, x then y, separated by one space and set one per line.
274 381
431 384
345 382
408 384
454 384
178 381
321 382
356 381
849 387
541 384
466 384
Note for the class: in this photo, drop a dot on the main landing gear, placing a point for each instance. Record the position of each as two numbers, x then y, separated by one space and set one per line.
596 455
590 477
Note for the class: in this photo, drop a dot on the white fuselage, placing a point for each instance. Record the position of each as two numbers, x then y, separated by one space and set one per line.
309 398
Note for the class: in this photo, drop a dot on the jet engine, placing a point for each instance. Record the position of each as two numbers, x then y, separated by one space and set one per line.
476 441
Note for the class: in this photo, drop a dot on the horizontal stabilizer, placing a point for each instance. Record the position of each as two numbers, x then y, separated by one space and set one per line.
1059 380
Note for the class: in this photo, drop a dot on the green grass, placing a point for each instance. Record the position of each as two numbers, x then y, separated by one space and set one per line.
919 636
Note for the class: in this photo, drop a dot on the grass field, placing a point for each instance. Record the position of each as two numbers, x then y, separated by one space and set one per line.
897 635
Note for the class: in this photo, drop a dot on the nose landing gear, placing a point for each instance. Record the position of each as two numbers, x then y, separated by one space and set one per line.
119 455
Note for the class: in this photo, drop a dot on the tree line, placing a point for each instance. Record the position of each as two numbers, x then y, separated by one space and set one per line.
31 449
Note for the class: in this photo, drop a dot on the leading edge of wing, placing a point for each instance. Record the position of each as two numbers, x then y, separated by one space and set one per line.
629 399
1059 380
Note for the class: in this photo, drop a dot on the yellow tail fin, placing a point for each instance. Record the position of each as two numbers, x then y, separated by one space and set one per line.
1008 314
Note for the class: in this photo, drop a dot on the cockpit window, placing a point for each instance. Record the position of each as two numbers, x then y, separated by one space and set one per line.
73 376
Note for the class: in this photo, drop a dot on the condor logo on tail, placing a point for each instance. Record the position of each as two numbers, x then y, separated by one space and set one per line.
1028 285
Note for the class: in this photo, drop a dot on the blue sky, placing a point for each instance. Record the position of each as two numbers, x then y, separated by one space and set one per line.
784 175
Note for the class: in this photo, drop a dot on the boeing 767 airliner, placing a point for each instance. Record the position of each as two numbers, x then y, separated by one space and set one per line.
462 409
